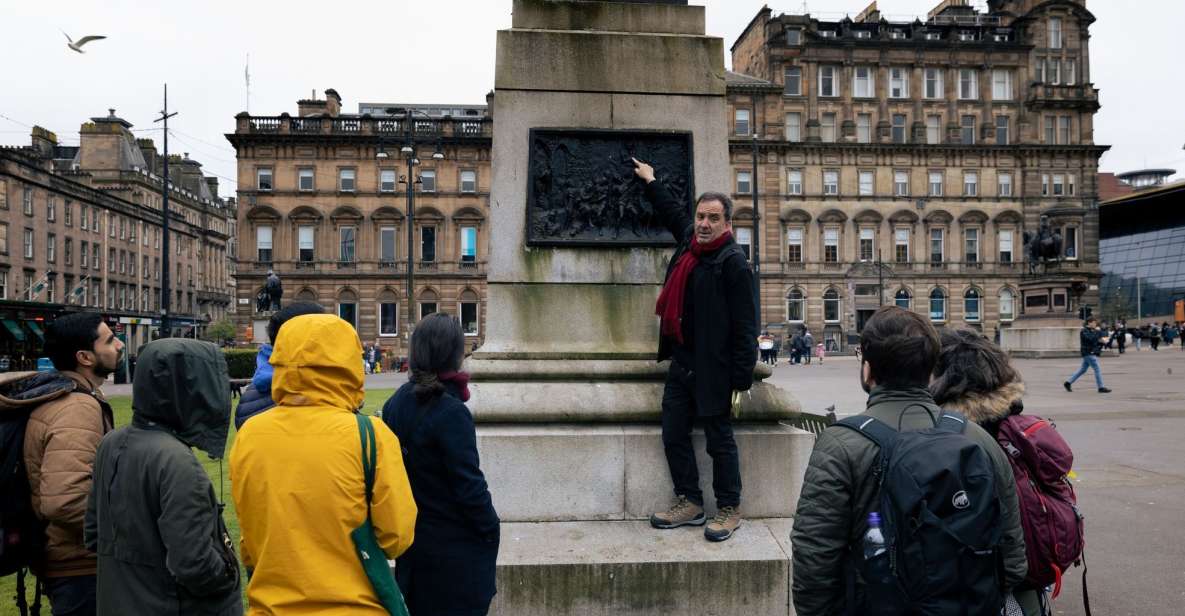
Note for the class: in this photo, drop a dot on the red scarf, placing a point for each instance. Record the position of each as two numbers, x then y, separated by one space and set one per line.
460 379
670 301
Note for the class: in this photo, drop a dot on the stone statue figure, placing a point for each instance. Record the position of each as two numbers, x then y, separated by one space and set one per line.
274 290
1044 247
261 301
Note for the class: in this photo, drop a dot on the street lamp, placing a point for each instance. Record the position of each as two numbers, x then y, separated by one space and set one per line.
408 151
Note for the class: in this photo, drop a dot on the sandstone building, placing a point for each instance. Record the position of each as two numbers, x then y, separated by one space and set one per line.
80 229
901 162
324 204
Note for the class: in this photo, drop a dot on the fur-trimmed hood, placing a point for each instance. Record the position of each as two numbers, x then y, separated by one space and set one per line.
987 407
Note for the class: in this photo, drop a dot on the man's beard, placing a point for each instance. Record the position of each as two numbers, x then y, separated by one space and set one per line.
101 370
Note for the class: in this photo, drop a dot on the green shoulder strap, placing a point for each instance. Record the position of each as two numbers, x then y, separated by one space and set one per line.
369 455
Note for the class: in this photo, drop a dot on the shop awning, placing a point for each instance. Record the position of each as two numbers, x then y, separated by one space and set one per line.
35 327
14 328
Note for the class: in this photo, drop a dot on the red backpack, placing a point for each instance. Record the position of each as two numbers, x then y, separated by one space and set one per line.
1053 527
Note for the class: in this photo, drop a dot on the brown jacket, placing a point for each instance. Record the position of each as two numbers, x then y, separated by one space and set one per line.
60 444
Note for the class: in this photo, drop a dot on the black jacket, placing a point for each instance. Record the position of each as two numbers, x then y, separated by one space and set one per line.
152 516
450 566
721 337
1088 341
251 403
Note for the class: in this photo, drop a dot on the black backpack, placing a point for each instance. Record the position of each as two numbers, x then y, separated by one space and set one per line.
22 534
941 521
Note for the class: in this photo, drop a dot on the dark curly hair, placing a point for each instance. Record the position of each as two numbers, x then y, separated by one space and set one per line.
969 363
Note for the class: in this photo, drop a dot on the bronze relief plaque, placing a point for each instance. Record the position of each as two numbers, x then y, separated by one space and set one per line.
582 190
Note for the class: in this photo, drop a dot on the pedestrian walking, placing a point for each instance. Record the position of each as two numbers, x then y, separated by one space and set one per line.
808 344
156 522
450 567
777 349
796 348
708 325
858 468
820 353
1154 336
1121 335
258 397
1090 343
299 481
1169 333
61 439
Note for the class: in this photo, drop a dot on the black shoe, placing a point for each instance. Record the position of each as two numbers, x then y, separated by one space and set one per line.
1067 386
1104 390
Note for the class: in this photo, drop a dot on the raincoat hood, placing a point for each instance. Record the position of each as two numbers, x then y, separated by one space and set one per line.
181 385
317 361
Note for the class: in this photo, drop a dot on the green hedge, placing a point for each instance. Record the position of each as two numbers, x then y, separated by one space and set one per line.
240 363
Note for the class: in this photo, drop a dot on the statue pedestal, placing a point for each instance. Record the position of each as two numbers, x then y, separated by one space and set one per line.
566 392
1048 323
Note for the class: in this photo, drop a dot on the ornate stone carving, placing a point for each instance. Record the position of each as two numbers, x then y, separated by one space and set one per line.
582 190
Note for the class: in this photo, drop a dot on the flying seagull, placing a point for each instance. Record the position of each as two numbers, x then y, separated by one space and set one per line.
82 41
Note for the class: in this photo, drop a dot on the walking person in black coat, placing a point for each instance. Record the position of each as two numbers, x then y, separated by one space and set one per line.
449 569
709 321
152 516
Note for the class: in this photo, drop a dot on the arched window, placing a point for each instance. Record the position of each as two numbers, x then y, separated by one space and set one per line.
971 305
937 305
428 302
903 299
347 307
831 306
1007 310
795 306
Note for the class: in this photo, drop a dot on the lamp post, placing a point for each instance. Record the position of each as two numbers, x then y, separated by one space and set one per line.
408 151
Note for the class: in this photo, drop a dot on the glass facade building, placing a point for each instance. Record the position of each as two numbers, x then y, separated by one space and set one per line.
1142 253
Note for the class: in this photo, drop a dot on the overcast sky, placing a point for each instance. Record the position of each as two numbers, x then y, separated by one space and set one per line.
435 51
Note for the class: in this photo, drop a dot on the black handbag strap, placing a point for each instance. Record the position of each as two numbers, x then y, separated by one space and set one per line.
369 455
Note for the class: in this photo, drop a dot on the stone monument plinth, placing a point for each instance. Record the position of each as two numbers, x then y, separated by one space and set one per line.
566 389
1048 323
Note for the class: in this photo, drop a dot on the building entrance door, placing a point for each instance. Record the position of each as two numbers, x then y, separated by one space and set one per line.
862 317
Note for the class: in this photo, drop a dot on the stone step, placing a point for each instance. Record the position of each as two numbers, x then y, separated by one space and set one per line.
539 473
627 568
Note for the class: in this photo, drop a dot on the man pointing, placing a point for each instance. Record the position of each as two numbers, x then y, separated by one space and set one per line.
709 324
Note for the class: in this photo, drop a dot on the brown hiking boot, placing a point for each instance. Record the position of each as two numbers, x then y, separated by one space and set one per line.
682 513
727 520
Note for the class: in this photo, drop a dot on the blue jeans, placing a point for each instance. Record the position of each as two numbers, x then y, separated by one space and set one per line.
71 596
1090 361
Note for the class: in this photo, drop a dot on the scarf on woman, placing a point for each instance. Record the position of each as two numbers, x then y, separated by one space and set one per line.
460 379
670 301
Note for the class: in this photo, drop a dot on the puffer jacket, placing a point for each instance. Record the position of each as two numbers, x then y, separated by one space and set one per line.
839 491
153 517
988 410
258 396
60 443
296 475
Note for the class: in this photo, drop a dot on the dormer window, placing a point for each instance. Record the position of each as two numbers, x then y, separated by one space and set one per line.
897 34
1001 37
933 36
827 33
863 34
966 35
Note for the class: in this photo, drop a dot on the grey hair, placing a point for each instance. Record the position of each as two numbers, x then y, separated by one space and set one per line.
724 200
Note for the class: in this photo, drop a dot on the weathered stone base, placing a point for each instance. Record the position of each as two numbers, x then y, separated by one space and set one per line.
590 472
627 568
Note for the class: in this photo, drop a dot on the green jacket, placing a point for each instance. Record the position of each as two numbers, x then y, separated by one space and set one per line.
840 490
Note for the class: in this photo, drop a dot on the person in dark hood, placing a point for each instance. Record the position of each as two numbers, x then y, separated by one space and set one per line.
258 396
153 517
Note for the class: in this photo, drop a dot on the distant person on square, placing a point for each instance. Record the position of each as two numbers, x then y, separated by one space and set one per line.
1090 343
708 325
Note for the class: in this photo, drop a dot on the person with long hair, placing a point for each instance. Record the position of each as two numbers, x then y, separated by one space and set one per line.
449 570
975 377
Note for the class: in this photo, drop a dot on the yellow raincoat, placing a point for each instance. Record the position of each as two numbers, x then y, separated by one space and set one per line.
296 473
